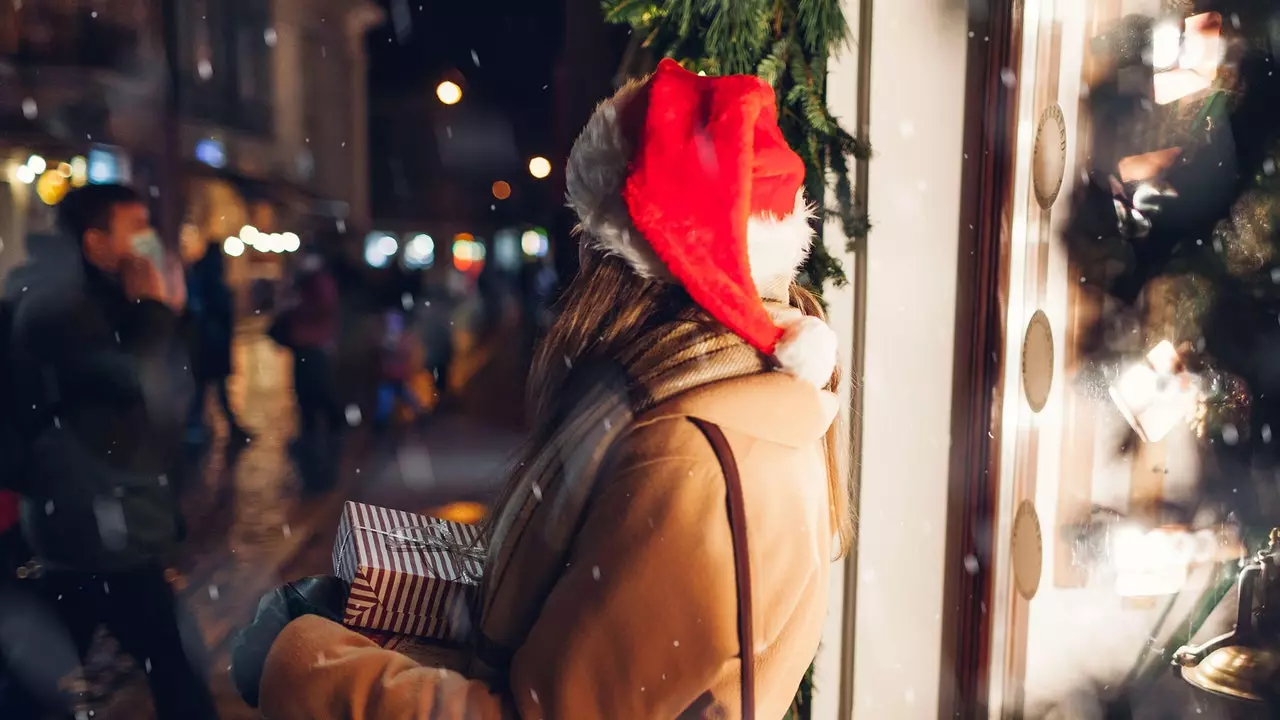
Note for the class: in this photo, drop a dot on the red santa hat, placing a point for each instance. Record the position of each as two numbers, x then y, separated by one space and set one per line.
689 179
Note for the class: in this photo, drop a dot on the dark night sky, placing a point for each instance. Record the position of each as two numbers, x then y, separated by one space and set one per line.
502 52
516 42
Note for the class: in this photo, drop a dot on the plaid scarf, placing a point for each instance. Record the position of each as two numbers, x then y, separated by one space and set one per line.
533 527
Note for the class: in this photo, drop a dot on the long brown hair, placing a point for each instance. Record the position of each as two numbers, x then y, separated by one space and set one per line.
604 313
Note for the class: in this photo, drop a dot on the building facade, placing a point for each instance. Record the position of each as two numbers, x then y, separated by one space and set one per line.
275 128
271 107
78 84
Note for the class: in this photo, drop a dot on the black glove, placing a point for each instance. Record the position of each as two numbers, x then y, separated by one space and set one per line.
322 595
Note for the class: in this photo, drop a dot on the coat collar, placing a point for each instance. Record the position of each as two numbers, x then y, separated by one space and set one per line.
772 406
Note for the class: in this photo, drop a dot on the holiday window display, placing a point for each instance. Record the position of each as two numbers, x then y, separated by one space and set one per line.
1174 232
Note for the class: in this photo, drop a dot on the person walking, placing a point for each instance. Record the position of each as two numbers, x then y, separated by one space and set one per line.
664 548
309 328
98 395
212 313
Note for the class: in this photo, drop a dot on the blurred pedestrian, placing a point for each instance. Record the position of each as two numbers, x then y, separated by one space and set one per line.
212 313
16 700
309 327
406 390
98 392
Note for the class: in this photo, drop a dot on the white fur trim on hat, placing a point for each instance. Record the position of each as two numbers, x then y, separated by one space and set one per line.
596 173
807 349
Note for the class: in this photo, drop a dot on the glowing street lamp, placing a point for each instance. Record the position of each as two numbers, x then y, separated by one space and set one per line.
449 92
539 167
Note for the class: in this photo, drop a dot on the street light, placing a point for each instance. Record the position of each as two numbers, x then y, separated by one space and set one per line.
539 167
449 92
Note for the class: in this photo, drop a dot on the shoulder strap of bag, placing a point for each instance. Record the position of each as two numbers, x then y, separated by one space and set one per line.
741 560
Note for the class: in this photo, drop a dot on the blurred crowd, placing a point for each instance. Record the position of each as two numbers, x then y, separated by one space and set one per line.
115 356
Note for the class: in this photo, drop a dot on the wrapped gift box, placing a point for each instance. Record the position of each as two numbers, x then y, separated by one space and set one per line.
409 574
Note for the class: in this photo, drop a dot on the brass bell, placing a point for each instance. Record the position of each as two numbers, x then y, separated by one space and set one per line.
1244 664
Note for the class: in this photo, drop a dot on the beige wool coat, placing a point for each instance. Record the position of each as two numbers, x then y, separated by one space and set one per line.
642 622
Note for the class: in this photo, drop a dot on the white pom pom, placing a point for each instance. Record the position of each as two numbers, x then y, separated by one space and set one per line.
807 349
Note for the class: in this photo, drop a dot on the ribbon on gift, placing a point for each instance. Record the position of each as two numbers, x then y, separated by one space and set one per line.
436 537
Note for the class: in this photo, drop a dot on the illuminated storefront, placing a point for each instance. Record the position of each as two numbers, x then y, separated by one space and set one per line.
1006 553
35 177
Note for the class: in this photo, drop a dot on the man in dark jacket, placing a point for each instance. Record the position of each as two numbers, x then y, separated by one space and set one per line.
100 391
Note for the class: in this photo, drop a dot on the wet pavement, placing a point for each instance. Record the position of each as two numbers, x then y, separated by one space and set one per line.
250 529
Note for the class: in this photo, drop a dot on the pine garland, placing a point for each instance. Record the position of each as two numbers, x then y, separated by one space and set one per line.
787 43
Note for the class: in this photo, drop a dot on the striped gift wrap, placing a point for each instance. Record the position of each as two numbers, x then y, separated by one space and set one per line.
409 574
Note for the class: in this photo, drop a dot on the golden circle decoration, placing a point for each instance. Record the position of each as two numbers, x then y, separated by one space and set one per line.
1026 550
1037 361
1049 156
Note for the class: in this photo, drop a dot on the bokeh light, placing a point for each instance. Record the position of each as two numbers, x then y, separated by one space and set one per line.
501 190
468 254
539 167
533 243
379 248
449 92
52 187
250 235
233 246
79 171
420 252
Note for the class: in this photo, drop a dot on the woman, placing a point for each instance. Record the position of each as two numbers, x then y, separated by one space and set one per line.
610 589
